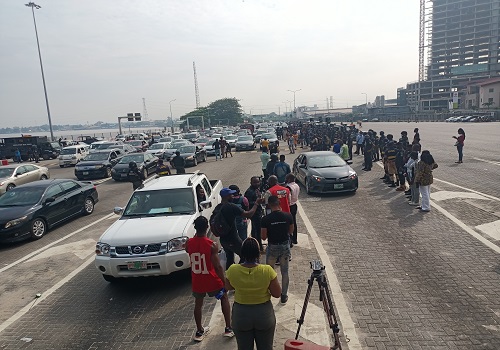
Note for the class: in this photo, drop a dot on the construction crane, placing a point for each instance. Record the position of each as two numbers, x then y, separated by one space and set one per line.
144 109
196 92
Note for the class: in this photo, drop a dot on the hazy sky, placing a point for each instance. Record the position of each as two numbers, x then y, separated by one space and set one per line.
102 57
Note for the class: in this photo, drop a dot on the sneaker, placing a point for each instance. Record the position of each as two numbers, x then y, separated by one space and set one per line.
199 336
228 332
284 299
411 203
277 262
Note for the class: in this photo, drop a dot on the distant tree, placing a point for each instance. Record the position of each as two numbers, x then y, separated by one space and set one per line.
488 104
225 111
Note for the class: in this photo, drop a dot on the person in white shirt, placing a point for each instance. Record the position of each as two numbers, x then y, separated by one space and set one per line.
410 171
294 197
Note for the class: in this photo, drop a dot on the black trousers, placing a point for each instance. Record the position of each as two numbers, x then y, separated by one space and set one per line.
256 225
293 211
368 160
231 246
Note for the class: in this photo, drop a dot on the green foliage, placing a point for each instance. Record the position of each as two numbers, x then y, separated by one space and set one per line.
224 111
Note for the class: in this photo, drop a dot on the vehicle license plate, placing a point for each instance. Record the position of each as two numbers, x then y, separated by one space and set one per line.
85 173
124 175
338 186
67 162
137 265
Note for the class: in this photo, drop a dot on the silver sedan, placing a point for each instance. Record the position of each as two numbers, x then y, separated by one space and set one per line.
19 174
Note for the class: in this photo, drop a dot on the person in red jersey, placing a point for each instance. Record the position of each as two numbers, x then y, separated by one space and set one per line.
207 276
283 193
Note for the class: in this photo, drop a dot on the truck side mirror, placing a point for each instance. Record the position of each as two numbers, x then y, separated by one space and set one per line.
206 204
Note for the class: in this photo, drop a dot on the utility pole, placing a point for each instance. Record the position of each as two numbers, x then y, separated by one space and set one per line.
366 102
196 91
33 6
294 91
171 118
144 109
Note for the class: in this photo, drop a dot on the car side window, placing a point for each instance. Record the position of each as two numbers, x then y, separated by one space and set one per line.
20 170
69 186
54 191
30 168
207 187
112 155
304 160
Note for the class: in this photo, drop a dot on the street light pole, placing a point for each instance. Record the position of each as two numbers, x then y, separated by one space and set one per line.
366 102
171 118
294 91
33 6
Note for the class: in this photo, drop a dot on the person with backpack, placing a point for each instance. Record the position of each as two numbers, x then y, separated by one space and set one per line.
242 202
207 276
223 223
281 169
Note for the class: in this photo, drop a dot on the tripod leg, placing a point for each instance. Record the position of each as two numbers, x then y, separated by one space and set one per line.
325 297
300 321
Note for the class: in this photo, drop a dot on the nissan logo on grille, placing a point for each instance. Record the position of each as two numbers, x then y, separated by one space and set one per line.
137 249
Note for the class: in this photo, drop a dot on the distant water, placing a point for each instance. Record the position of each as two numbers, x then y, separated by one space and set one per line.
74 134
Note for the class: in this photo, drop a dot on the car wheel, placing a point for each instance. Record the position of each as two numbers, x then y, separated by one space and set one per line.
38 228
10 186
308 186
195 163
43 177
108 172
45 157
61 166
88 206
109 278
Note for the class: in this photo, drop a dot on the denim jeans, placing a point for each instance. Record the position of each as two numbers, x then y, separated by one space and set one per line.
242 228
217 154
460 149
280 252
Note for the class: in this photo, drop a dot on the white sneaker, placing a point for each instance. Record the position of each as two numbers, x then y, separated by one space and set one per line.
199 336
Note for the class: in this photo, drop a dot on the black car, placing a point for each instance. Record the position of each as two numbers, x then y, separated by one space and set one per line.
97 164
32 209
193 154
145 162
324 172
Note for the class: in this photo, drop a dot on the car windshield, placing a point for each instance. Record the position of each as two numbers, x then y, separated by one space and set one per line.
326 161
177 144
21 196
203 140
104 145
161 202
6 172
268 136
187 149
68 151
231 137
245 138
138 158
190 136
165 139
96 156
157 146
136 143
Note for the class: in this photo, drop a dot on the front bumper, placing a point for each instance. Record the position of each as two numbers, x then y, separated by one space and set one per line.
16 233
244 147
91 173
157 265
329 186
64 162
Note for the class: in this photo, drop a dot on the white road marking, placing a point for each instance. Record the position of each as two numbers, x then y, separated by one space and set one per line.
343 314
101 181
38 251
487 161
445 195
81 249
44 295
492 229
468 189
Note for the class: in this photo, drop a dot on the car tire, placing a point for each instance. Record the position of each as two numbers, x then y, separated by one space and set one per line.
88 206
43 177
308 186
10 187
108 172
61 166
110 279
38 228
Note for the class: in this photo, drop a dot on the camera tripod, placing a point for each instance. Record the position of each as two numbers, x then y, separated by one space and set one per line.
319 276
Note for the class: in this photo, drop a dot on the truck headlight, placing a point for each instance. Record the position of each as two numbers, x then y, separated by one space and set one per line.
16 221
177 244
102 249
98 166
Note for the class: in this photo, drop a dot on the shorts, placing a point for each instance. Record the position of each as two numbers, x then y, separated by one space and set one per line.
204 294
391 167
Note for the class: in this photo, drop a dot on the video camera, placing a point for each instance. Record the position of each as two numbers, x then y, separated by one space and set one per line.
317 266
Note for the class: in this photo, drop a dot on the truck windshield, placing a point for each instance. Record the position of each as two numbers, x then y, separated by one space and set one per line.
161 202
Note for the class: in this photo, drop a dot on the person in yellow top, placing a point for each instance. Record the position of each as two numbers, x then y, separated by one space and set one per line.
253 316
264 143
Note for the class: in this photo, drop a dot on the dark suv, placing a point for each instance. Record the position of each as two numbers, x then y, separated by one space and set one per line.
98 164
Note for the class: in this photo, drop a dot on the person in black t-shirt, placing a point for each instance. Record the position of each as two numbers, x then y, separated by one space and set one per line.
277 227
179 163
231 241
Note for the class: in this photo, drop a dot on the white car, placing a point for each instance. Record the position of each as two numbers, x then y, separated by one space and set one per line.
159 149
150 237
72 154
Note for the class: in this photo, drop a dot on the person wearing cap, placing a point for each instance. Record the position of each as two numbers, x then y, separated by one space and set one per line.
241 222
230 241
162 168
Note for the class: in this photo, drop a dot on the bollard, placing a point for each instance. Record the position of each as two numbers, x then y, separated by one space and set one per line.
292 344
5 162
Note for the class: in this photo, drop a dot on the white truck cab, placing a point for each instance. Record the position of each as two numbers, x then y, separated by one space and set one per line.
150 236
72 154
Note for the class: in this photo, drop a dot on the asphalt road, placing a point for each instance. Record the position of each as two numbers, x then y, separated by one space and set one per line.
403 279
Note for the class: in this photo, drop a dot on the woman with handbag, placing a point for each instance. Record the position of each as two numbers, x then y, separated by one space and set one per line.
424 179
460 144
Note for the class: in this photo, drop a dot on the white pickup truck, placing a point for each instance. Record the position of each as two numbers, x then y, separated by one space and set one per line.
151 234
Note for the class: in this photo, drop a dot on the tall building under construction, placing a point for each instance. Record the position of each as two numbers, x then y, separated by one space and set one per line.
460 44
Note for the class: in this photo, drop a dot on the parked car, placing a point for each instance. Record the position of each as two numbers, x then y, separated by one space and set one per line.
139 145
32 209
202 141
15 175
145 162
178 143
125 148
324 172
104 145
167 206
245 143
166 139
72 155
97 164
231 139
209 148
159 149
191 136
193 154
